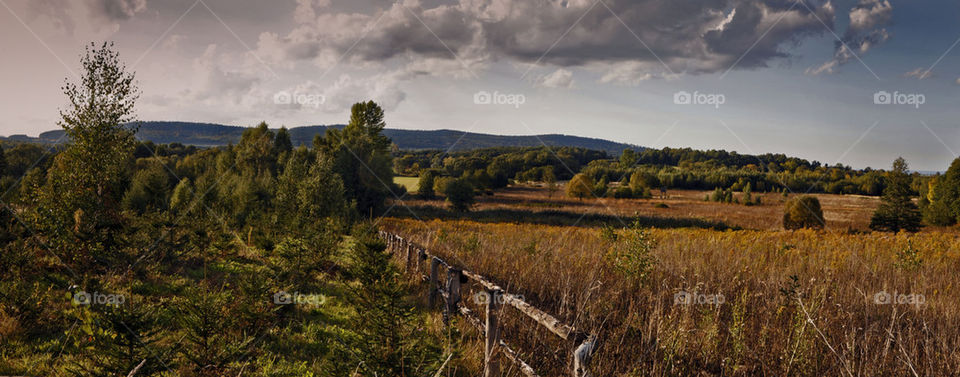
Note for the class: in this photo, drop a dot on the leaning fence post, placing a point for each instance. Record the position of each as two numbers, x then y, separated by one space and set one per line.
453 293
582 356
491 368
434 265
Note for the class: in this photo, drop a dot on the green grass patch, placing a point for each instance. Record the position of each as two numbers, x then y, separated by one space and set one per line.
411 183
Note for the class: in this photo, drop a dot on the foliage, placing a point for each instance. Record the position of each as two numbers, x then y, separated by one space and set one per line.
78 207
425 184
942 205
361 156
148 190
460 194
803 212
193 273
581 186
897 211
632 254
386 323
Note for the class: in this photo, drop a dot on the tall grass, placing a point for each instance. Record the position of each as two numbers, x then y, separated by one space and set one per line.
794 303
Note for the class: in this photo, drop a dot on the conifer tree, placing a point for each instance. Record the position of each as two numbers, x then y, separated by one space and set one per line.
897 211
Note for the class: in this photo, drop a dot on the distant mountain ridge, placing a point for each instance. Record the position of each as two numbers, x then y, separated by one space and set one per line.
212 135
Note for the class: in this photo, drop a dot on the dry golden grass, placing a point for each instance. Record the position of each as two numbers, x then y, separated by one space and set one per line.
840 211
796 303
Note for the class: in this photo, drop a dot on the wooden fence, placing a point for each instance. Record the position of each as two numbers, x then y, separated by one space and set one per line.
582 343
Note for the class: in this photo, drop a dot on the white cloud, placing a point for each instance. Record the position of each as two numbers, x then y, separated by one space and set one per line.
865 31
561 78
919 73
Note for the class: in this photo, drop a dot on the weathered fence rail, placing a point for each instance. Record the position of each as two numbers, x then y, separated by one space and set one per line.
583 344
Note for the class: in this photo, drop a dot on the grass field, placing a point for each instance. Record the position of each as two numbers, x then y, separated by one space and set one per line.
411 183
841 212
765 301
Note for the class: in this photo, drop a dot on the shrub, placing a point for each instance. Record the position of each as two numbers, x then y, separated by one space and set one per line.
460 195
148 190
633 257
803 212
425 184
717 195
622 192
580 186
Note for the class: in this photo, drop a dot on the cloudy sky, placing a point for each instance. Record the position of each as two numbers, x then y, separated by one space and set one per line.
856 82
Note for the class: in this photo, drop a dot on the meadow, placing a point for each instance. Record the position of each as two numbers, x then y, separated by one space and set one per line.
741 298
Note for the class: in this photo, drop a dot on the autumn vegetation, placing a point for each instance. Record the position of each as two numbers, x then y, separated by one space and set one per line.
682 262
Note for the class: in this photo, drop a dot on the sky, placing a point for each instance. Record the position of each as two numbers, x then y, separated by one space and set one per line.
852 82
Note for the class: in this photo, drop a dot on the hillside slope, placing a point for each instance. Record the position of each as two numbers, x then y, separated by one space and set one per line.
208 135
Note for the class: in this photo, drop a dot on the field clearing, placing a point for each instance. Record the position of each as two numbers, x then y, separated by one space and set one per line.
791 303
410 183
763 276
841 212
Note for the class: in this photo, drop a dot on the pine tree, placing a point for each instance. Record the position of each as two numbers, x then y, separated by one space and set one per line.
747 194
717 195
390 338
897 211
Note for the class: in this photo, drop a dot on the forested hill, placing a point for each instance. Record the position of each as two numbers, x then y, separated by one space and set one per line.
207 134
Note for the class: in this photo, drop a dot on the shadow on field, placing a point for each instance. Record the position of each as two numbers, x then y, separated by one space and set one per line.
553 217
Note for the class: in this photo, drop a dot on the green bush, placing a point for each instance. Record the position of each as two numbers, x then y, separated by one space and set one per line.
581 186
460 194
803 212
622 192
425 184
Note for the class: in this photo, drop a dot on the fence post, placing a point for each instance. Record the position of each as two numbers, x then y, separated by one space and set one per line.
453 293
582 356
491 368
409 257
432 298
420 257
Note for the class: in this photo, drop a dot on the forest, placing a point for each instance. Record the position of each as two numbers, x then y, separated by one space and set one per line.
125 257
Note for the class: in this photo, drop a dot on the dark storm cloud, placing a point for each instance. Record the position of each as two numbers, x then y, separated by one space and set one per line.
117 10
692 36
65 15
